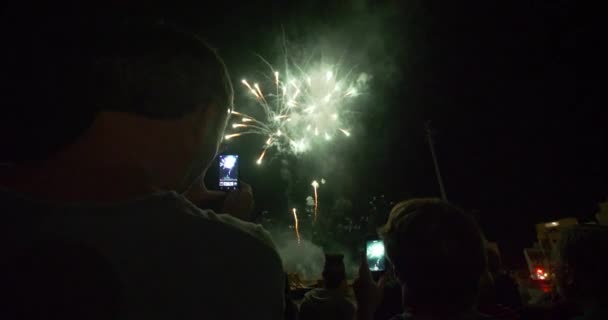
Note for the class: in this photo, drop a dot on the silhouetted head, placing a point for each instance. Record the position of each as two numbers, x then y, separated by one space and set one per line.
438 255
152 90
334 272
582 264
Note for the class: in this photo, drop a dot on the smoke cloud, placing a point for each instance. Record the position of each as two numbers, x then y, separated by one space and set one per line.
307 259
304 258
310 201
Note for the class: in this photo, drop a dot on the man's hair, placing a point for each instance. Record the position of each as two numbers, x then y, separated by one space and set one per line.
58 73
583 250
437 251
157 70
334 271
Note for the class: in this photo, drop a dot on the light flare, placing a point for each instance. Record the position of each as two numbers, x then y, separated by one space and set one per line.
261 157
296 224
230 136
315 185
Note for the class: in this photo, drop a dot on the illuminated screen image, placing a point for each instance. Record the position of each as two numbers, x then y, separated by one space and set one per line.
229 171
375 255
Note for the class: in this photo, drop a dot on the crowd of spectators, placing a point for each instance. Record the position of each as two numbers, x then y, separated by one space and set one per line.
110 220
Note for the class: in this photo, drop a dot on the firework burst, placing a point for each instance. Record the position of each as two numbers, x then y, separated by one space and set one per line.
300 109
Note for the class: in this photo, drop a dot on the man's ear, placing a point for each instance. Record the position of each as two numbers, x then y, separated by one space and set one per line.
205 129
214 120
202 118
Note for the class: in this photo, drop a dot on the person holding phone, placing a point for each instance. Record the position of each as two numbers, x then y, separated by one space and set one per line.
438 256
329 302
234 197
375 254
114 121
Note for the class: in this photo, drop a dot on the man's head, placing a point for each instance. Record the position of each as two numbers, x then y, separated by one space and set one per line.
334 272
438 254
128 78
581 264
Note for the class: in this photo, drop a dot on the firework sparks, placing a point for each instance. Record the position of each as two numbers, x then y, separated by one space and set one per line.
230 136
259 161
304 107
296 224
315 185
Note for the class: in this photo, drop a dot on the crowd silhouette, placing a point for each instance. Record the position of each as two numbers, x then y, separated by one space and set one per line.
111 219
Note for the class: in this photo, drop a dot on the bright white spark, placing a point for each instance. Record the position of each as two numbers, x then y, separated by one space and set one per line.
302 107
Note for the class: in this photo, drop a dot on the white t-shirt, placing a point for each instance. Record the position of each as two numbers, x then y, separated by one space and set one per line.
171 259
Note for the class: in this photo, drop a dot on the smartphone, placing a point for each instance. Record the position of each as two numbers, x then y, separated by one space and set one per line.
376 258
229 171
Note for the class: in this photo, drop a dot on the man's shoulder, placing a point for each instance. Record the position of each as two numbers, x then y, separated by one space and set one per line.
224 253
230 224
185 250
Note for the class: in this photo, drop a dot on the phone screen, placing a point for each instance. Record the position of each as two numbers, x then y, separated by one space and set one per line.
229 171
374 250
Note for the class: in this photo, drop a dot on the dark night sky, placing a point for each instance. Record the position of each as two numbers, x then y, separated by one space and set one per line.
520 137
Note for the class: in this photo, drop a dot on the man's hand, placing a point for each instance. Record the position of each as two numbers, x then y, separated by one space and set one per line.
367 292
199 194
238 203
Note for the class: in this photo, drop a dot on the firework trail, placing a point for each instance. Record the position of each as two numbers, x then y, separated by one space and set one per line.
302 108
296 224
315 185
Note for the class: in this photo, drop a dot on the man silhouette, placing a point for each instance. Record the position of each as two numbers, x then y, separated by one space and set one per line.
144 107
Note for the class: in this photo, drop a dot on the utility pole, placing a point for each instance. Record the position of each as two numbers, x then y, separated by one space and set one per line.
429 136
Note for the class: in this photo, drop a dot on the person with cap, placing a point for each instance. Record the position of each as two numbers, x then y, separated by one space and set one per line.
329 302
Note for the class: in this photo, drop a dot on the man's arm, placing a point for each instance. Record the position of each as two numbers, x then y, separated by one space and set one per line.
238 203
269 289
268 282
368 293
